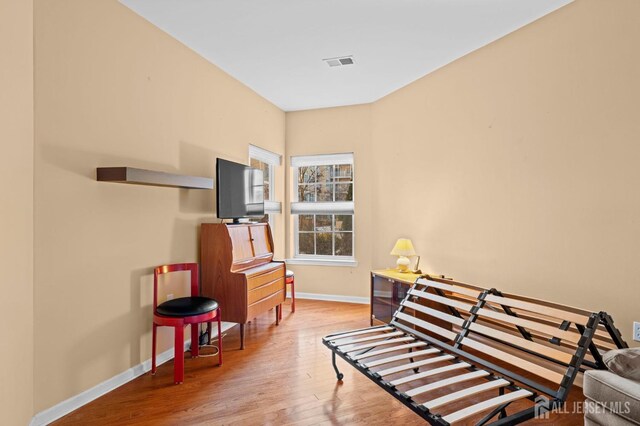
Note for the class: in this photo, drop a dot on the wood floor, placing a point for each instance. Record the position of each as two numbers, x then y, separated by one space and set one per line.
284 376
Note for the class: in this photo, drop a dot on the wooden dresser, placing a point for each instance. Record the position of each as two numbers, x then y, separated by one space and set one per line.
239 272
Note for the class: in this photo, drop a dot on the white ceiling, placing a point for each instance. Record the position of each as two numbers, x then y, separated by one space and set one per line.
276 47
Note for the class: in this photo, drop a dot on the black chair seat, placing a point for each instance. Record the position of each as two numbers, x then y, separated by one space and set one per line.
187 306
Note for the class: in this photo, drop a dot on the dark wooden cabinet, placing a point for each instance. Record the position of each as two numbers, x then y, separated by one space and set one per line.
386 295
388 288
239 272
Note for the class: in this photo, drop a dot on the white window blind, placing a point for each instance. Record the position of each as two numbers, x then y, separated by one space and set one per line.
322 160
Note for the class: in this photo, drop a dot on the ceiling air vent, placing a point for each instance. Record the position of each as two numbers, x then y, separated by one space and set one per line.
339 61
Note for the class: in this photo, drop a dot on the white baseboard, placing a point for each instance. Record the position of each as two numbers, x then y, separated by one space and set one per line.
65 407
333 298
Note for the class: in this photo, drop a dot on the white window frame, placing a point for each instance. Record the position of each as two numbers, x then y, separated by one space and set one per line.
327 207
273 160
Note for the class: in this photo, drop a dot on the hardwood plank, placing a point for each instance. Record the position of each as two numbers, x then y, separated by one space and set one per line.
295 383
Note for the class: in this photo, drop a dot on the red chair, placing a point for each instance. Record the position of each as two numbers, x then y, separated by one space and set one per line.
180 312
290 279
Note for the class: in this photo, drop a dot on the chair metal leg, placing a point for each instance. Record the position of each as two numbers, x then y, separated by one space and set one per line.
278 313
178 359
153 348
219 337
209 328
195 340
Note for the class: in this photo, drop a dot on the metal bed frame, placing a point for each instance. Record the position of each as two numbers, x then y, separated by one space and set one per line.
551 342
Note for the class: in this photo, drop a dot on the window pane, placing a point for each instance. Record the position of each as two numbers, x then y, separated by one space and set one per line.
323 222
307 174
266 170
344 244
305 243
344 192
307 192
305 222
343 173
343 223
325 243
324 174
325 192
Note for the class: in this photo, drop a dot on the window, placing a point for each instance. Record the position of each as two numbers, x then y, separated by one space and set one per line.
323 208
267 161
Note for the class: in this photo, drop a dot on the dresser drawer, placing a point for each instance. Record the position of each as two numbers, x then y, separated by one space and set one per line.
267 277
265 290
255 309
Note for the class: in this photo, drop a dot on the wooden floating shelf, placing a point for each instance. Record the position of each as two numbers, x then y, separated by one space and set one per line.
135 176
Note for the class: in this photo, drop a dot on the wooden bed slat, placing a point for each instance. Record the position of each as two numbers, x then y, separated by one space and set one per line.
522 343
415 364
542 328
447 382
514 360
387 350
370 338
334 337
449 287
411 378
374 344
426 325
434 313
540 337
439 299
400 357
538 308
452 397
485 405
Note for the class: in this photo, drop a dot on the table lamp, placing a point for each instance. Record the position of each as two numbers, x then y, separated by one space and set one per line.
402 249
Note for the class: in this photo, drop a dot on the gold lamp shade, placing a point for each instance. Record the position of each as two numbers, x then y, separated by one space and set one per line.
402 249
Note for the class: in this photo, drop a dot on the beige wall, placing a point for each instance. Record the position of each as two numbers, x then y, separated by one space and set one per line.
16 211
329 131
113 90
515 166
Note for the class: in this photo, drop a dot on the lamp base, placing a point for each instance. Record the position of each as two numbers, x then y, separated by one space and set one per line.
402 264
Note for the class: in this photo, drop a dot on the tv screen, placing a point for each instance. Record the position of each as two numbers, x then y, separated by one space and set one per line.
239 190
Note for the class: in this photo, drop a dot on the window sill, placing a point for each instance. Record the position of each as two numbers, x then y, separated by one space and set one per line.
322 262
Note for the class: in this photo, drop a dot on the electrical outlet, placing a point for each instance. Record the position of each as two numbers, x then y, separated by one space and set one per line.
636 331
169 296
